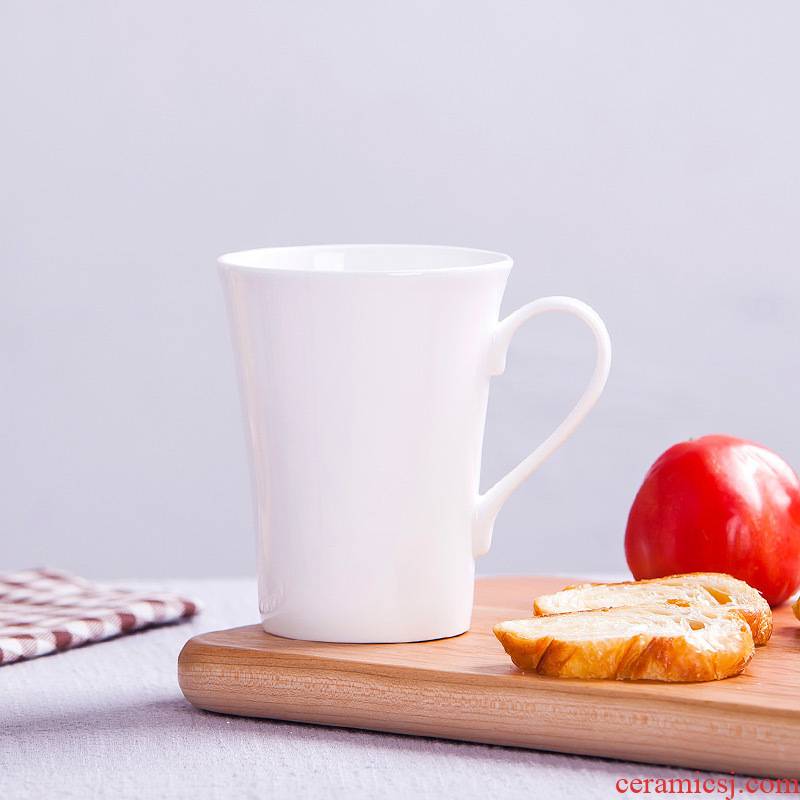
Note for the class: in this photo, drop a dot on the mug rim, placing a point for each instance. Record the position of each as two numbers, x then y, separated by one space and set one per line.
249 259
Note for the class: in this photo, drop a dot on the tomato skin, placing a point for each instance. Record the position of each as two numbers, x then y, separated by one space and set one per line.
719 504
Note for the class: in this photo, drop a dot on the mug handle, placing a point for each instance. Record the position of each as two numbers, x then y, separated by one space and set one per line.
489 504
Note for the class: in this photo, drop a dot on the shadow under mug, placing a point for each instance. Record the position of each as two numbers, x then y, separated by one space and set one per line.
364 373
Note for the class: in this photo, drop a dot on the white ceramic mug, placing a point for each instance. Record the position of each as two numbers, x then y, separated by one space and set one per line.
364 372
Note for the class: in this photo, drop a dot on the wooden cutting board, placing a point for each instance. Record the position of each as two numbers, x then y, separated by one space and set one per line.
467 688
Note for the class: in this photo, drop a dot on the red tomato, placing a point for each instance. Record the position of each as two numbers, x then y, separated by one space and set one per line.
719 504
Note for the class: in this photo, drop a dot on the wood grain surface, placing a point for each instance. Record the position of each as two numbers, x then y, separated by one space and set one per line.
467 688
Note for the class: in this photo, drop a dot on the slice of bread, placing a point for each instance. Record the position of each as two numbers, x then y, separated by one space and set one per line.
796 608
701 589
655 642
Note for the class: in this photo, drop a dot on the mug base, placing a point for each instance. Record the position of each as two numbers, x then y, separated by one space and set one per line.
312 635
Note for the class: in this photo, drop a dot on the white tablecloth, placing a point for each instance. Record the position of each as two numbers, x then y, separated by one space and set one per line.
109 721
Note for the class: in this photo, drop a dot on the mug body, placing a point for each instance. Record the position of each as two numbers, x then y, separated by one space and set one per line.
364 379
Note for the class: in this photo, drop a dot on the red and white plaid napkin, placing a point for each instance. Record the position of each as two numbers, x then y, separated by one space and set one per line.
45 610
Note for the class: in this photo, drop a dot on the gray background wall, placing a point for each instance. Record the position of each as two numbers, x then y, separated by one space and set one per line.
640 155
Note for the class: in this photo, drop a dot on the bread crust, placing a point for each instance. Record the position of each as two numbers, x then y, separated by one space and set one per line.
749 602
637 657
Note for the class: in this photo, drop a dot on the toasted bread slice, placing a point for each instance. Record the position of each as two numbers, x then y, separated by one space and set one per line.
656 642
706 589
796 608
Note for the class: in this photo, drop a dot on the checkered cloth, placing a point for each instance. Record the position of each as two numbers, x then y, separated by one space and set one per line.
46 610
